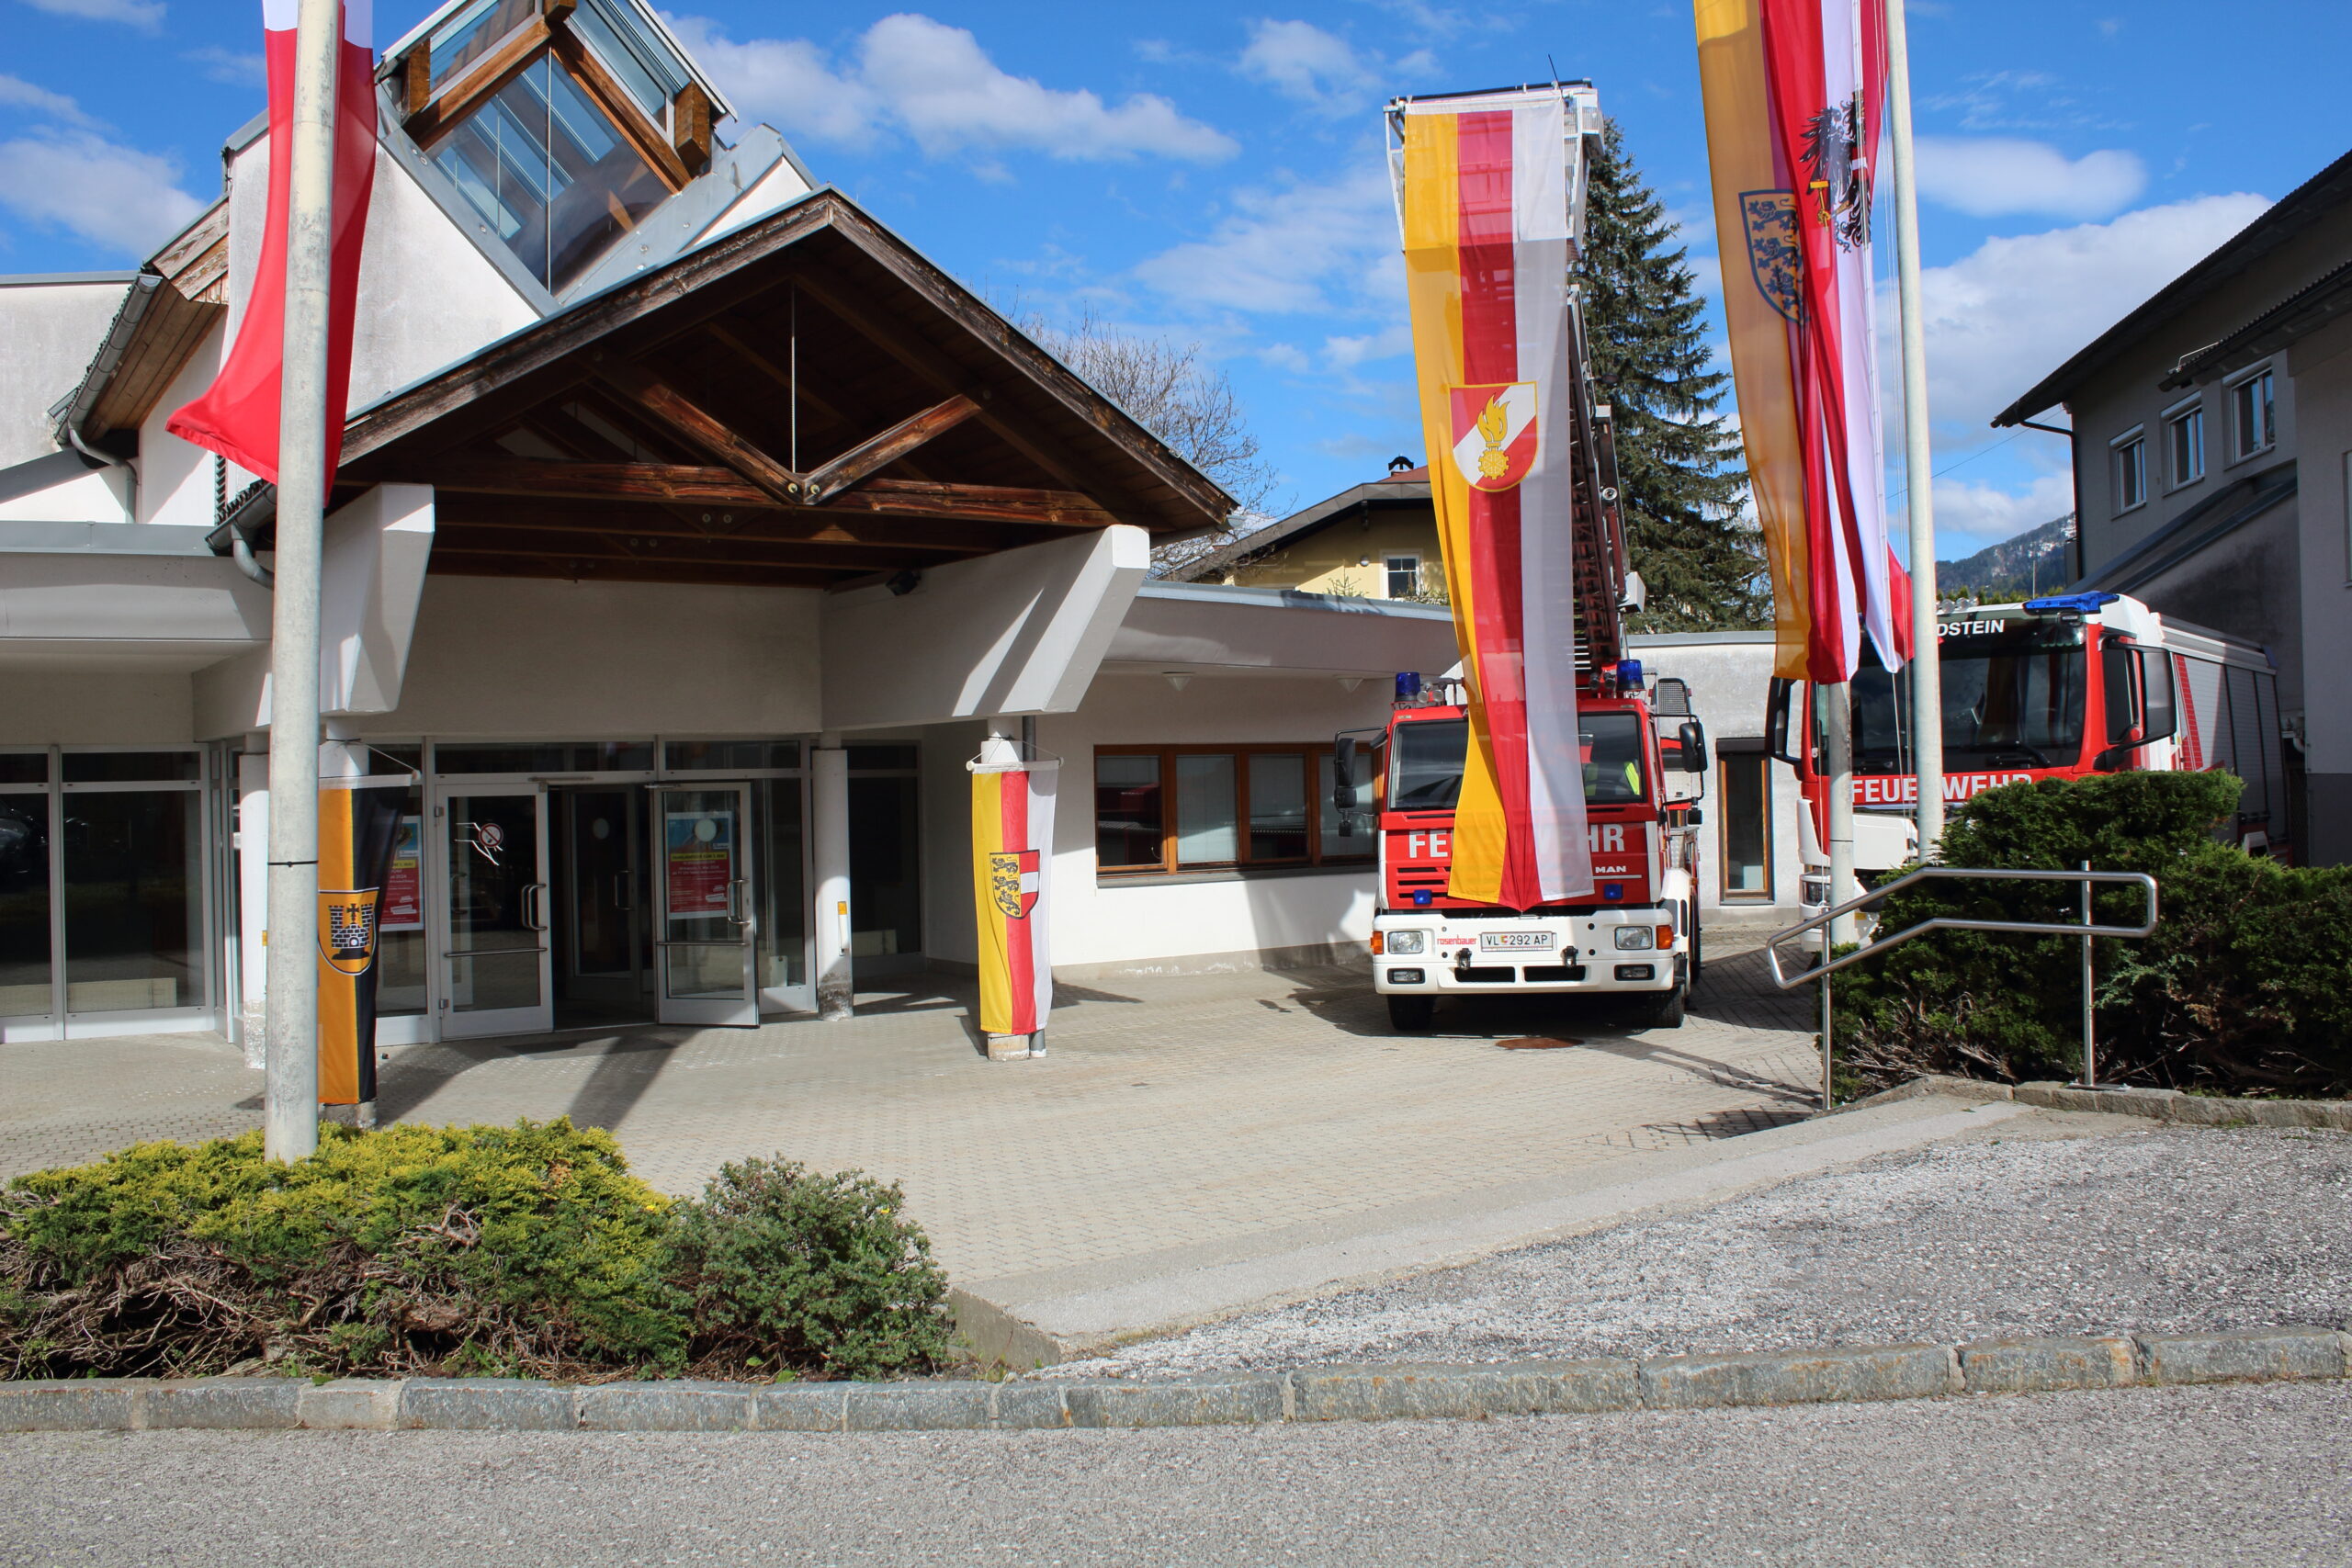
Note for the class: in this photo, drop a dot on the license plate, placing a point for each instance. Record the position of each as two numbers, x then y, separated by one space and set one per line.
1492 940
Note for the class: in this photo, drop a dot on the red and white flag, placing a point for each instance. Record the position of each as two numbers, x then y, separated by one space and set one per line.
237 415
1826 67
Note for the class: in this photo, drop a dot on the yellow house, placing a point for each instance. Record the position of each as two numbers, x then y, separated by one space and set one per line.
1375 541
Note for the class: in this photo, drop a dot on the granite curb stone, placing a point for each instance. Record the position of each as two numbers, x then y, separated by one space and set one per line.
2044 1366
2155 1104
1373 1392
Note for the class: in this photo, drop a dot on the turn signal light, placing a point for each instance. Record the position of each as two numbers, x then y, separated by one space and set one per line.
1379 943
1665 938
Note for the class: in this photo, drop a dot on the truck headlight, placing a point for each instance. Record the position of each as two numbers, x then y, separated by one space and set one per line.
1407 941
1635 939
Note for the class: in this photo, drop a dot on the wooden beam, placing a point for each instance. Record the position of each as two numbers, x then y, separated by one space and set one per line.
677 548
622 109
690 125
869 458
478 80
667 483
581 569
714 436
416 78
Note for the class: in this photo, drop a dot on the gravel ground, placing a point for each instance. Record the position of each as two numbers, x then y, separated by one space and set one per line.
2165 1231
2148 1477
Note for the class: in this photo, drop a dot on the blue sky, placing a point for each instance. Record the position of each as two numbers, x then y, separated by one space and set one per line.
1213 172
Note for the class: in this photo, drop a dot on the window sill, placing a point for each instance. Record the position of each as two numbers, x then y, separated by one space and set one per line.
2128 511
1229 874
2244 457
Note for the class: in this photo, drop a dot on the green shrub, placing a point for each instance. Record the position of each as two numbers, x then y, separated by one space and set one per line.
780 1266
2242 988
527 1250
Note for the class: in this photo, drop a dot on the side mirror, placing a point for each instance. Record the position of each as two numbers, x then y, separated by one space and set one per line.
1776 715
1693 738
2159 716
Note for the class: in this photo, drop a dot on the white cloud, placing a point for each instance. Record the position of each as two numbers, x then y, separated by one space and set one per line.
17 93
2012 311
1347 353
1971 516
110 196
1301 61
1296 247
1985 176
147 15
232 67
934 83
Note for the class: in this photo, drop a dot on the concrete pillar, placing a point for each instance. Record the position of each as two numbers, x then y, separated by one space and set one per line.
828 843
253 904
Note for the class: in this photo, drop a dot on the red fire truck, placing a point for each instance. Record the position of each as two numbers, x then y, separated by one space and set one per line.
2057 687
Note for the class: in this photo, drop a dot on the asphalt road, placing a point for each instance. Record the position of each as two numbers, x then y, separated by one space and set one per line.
2146 1476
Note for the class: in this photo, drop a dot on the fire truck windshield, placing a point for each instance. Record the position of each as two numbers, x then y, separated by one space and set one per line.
2012 698
1425 763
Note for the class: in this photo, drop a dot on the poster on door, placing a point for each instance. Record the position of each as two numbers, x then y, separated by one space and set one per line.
698 863
403 907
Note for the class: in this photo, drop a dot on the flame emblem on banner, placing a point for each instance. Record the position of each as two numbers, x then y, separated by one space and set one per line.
1495 440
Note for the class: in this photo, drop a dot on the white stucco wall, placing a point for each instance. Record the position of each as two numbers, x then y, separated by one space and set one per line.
53 707
49 334
176 479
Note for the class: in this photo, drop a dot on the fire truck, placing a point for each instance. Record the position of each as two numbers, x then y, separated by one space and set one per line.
2052 688
1644 754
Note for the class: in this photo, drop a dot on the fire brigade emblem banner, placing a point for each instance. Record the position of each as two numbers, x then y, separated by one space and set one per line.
1496 438
1012 835
359 820
1486 189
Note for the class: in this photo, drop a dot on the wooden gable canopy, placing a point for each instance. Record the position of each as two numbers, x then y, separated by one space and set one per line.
807 401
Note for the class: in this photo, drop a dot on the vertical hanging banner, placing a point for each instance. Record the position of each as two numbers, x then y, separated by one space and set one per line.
1793 92
237 415
359 823
1488 186
1012 849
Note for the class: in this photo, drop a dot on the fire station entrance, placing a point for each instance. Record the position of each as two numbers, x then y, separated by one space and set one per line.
674 891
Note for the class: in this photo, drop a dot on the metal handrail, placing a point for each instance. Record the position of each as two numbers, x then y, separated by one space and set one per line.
1876 945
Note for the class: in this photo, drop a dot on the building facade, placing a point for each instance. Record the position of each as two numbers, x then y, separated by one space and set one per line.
2210 428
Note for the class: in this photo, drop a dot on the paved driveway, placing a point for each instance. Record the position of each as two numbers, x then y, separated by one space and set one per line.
1170 1113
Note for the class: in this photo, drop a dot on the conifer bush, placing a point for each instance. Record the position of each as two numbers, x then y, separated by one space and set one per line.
2242 989
527 1250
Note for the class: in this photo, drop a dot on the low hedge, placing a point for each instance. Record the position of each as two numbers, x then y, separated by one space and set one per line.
527 1250
2245 986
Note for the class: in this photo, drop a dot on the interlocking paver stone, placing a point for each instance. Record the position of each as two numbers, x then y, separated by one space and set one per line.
1170 1112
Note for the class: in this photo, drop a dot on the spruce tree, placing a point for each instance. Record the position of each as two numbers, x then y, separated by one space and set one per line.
1680 475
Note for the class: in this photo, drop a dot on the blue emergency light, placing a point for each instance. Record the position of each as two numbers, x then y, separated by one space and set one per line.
1409 685
1613 890
2078 604
1422 898
1629 675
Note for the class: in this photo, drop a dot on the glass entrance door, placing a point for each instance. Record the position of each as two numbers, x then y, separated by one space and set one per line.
708 937
601 970
496 976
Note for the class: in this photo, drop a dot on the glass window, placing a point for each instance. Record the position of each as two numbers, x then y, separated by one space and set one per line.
885 858
2185 446
1404 576
1207 830
24 767
627 54
546 757
1277 806
784 907
1127 817
133 901
731 756
401 952
1611 745
23 906
472 33
884 759
132 767
1426 772
1346 834
2131 473
2013 698
546 168
2255 413
1747 819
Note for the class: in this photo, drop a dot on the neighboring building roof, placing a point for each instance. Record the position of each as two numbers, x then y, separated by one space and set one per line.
2300 314
2309 203
1407 487
2221 513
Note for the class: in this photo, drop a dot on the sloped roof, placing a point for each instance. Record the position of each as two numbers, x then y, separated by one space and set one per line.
1407 488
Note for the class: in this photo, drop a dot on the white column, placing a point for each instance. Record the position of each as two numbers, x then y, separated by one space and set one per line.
829 842
253 905
1838 761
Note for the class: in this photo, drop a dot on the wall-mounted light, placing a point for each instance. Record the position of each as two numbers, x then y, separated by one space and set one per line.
1177 678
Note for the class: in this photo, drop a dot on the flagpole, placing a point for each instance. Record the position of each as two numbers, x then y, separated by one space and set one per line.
1918 469
290 1114
1835 704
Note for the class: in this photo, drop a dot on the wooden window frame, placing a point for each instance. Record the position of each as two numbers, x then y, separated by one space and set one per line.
1730 753
487 76
1166 866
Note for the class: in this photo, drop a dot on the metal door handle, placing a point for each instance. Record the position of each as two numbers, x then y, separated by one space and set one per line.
535 906
735 901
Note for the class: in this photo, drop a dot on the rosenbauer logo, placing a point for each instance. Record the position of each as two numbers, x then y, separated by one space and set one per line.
1903 789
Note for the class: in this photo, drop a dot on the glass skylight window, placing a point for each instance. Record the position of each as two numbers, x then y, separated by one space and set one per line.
549 172
474 32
